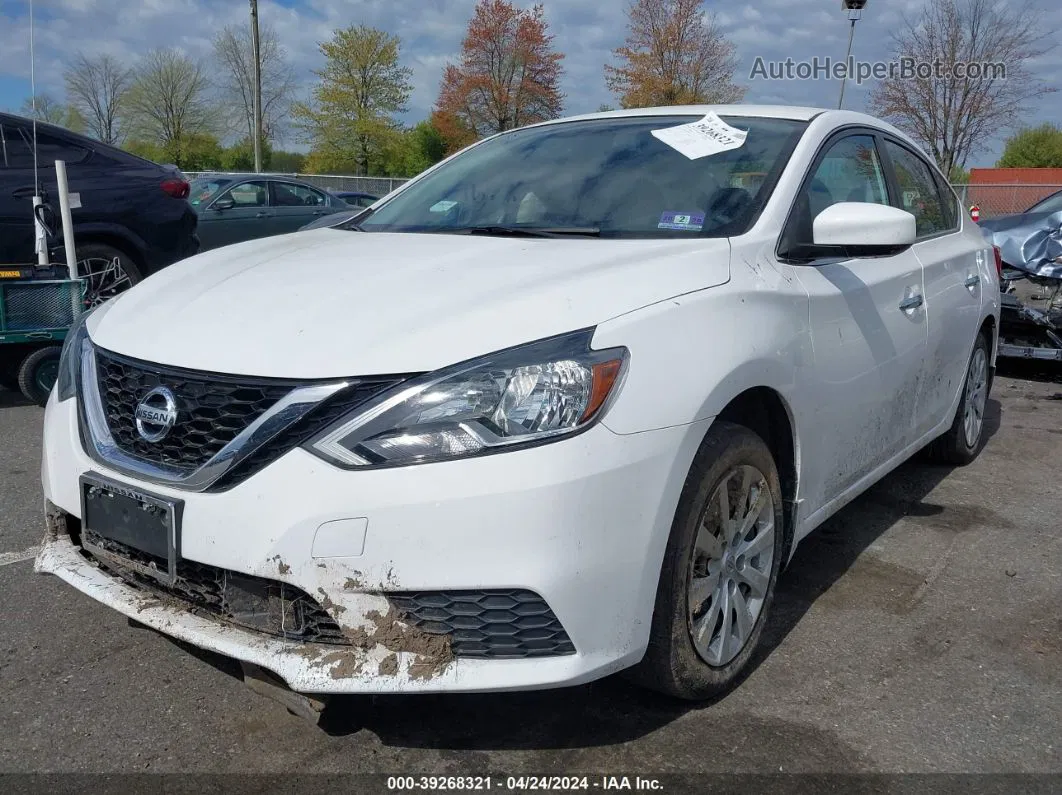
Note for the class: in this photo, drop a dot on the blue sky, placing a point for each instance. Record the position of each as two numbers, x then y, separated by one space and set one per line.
431 31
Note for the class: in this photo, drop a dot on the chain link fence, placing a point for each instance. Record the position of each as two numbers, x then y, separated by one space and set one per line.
376 186
996 200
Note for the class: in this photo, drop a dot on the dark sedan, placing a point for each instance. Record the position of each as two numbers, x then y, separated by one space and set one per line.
356 198
233 208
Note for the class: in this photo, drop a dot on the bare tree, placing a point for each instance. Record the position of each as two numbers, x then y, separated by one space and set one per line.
675 54
956 112
97 87
235 55
168 103
52 111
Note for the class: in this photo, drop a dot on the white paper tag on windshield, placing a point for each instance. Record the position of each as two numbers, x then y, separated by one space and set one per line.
75 201
709 136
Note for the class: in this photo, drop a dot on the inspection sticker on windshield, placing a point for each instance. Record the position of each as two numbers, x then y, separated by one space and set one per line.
686 222
709 136
442 207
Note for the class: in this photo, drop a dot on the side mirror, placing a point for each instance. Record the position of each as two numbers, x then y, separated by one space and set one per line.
223 204
858 229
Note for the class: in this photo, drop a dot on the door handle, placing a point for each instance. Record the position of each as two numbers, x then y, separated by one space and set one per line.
319 212
24 193
262 215
913 302
972 281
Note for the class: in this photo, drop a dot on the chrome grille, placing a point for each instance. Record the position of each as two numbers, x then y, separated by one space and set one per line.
212 411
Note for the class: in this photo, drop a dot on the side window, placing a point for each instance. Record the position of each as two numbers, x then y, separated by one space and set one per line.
15 150
849 171
950 202
288 194
247 194
918 191
50 149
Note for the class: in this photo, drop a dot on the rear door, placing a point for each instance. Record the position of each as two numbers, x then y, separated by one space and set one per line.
869 330
249 217
296 205
16 194
952 275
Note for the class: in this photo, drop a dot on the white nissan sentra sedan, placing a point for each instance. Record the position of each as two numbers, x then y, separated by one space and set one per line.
561 406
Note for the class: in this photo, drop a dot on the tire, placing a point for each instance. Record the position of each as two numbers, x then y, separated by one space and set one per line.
731 460
107 283
38 372
956 447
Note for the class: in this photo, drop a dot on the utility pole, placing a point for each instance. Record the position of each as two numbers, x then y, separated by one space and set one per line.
256 52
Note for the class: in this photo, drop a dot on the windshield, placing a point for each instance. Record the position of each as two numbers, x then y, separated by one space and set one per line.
1052 204
204 189
607 176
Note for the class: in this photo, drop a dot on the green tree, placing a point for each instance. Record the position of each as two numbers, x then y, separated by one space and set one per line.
287 162
240 156
169 105
430 143
1033 147
149 150
198 152
350 119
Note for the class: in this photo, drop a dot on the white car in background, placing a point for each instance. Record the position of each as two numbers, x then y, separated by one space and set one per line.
562 406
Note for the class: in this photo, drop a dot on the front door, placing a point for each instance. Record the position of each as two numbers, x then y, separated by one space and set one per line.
240 213
869 333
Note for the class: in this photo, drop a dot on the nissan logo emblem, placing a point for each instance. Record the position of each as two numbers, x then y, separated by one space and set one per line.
156 414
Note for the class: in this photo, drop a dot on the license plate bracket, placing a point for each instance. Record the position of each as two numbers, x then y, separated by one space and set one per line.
146 522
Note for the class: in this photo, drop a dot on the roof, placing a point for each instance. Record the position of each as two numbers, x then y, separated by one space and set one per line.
767 111
830 117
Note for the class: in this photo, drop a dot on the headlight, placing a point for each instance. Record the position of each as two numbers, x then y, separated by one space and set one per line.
70 360
520 396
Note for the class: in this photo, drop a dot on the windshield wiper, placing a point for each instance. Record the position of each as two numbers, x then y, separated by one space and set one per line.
354 222
528 231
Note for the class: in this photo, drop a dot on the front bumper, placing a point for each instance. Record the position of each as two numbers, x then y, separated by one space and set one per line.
582 523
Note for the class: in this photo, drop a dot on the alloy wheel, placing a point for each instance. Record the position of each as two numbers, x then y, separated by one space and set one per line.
976 397
104 279
730 569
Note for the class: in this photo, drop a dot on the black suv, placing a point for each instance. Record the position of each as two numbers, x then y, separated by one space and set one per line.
131 209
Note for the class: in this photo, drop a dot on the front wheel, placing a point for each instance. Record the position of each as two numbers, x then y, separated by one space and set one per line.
108 271
720 568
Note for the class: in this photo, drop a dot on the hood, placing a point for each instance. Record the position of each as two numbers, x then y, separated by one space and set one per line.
331 303
1031 242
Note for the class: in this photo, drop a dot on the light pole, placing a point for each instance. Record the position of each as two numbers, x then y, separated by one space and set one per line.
257 89
855 11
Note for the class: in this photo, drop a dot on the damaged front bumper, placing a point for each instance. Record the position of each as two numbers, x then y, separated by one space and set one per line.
308 667
568 535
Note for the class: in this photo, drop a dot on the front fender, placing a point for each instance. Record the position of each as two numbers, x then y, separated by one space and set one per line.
693 354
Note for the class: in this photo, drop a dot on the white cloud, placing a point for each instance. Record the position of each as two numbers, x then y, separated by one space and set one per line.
431 31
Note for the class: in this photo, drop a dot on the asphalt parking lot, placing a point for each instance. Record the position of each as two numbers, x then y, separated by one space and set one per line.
919 631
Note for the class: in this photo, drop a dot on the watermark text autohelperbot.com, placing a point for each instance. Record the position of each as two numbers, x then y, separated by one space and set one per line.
904 68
